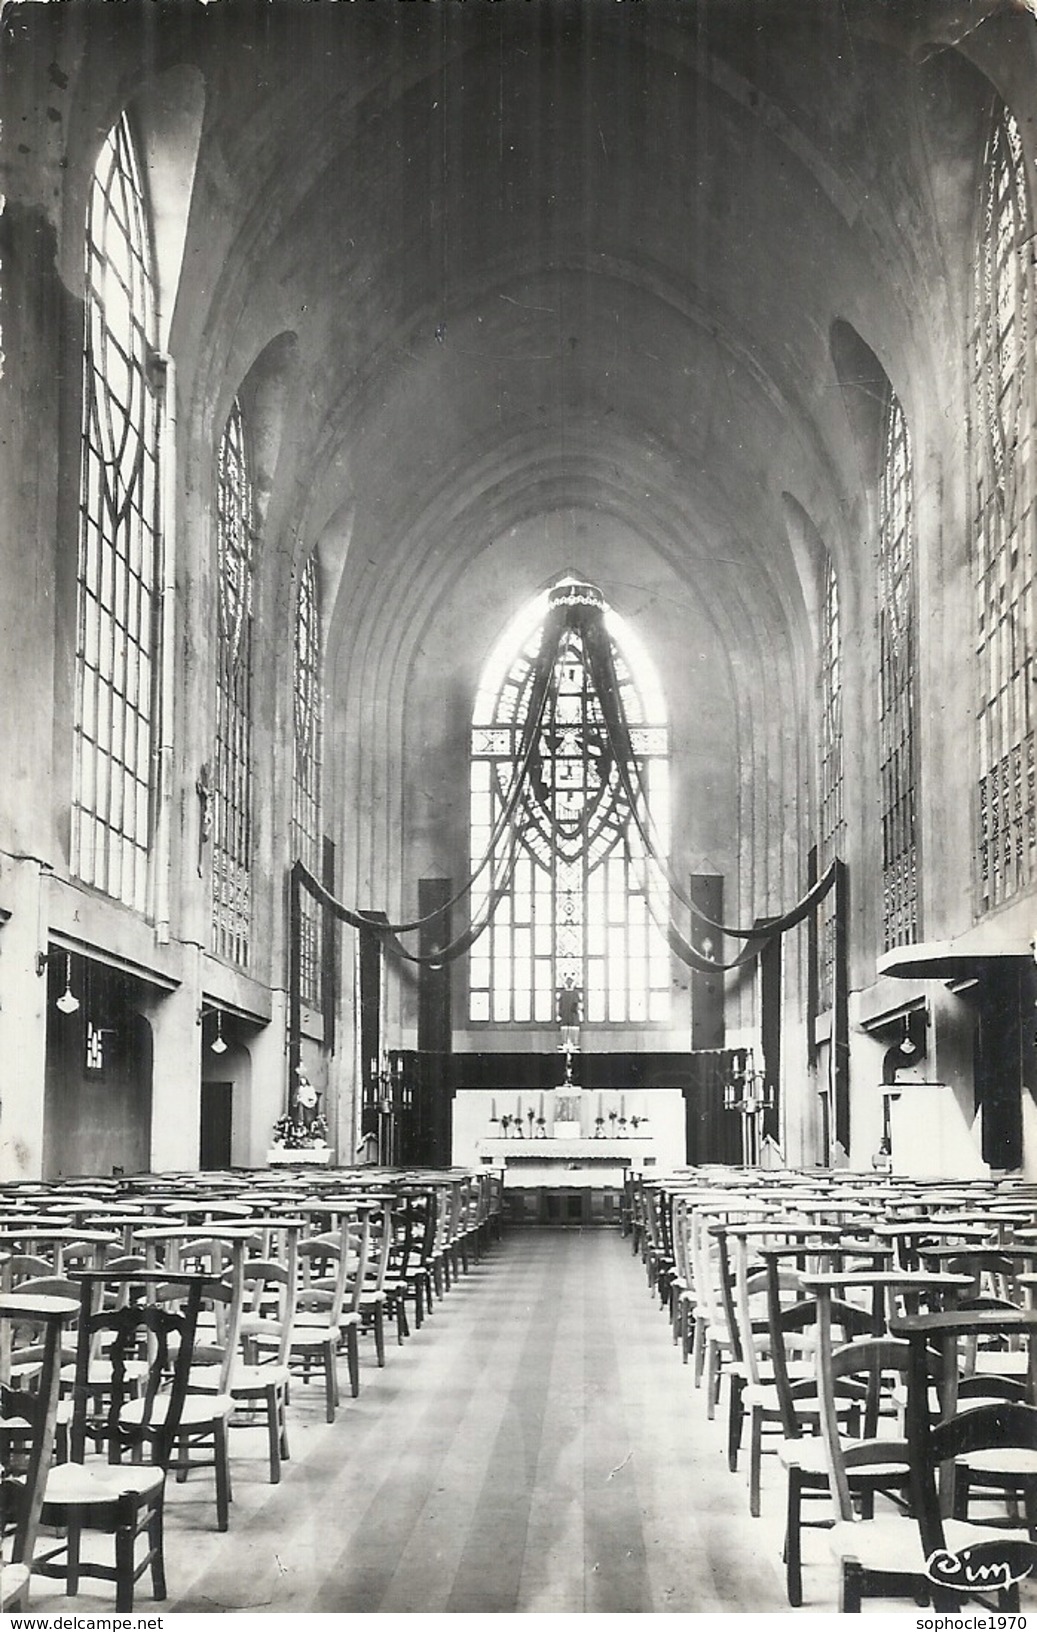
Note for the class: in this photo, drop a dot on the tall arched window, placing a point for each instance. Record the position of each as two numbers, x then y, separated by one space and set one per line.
233 794
116 669
832 817
309 725
1003 496
897 684
579 913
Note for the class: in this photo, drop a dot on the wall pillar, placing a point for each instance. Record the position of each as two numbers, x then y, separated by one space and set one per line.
176 1083
268 1096
23 1018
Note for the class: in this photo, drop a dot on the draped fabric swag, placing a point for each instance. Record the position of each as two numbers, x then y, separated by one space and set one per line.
576 608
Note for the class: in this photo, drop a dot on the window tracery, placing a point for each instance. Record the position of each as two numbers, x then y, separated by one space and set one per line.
306 785
897 684
1003 501
116 637
832 815
580 913
232 827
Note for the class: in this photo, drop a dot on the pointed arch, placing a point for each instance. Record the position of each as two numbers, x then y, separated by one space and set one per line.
308 742
831 804
233 793
898 683
579 914
116 669
1005 496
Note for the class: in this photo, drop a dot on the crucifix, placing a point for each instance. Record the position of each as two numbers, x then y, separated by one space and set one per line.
204 790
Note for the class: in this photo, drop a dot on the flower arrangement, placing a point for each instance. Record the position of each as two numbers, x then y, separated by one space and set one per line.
292 1135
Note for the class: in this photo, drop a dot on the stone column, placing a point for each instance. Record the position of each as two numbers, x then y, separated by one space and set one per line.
23 1016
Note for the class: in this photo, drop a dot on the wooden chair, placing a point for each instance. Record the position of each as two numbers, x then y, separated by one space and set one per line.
201 1438
267 1289
1004 1430
417 1267
802 1452
875 1555
100 1492
372 1301
752 1282
322 1322
27 1434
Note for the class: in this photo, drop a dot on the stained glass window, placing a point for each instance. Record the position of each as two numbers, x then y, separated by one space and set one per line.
232 793
897 684
1003 478
116 668
583 906
832 817
309 722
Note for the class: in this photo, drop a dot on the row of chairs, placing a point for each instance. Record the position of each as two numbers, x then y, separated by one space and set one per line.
811 1296
142 1321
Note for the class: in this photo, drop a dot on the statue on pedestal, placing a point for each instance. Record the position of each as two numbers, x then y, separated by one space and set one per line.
570 1005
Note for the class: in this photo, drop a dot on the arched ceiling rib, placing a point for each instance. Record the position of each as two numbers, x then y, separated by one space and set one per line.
509 228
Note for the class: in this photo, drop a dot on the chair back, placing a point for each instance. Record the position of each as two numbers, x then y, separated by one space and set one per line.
346 1249
379 1223
155 1331
868 1363
27 1415
1002 1425
793 1333
270 1295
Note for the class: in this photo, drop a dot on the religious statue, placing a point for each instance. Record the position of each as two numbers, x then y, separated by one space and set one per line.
570 1004
306 1099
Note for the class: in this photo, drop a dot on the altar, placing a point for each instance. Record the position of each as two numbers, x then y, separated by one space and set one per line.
570 1140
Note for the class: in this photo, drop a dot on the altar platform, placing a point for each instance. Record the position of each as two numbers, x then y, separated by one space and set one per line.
567 1161
576 1146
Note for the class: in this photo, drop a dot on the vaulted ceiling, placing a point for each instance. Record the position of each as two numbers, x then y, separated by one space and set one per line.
544 253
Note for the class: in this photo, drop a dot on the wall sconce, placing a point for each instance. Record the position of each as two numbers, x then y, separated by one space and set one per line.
68 1002
218 1045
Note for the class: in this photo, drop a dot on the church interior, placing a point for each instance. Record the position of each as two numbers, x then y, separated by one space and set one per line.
518 690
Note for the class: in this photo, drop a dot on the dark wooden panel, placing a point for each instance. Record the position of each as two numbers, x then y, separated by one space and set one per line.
1004 1039
370 955
435 1033
215 1138
707 991
770 1031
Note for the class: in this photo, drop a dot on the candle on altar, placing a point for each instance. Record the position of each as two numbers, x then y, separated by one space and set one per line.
518 1108
599 1107
541 1107
622 1104
493 1110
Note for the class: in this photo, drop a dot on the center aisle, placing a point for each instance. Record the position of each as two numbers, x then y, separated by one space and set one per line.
536 1446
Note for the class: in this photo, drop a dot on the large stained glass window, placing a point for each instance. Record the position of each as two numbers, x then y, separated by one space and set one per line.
233 792
116 668
897 684
833 820
583 906
309 722
1003 478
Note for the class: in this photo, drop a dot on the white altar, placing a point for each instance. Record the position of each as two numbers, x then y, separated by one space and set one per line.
570 1138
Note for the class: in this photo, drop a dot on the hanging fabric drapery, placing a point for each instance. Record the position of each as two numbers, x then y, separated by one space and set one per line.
576 612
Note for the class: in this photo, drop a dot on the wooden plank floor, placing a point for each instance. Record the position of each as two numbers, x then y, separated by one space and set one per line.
537 1446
